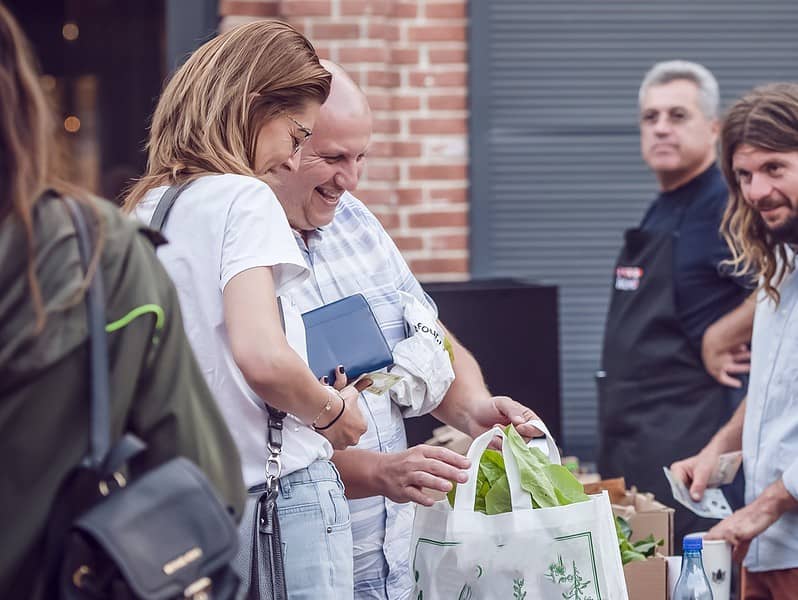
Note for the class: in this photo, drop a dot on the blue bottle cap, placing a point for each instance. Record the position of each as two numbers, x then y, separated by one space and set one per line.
692 543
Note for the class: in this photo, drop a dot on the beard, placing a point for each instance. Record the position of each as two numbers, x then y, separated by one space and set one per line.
785 233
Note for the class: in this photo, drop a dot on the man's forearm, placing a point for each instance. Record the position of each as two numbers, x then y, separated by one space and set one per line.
406 476
358 472
468 388
754 518
733 328
730 437
775 500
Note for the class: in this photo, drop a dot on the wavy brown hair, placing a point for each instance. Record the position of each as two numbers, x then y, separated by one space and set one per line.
29 153
208 117
766 118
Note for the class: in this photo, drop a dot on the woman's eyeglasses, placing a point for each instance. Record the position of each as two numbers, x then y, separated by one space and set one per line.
297 141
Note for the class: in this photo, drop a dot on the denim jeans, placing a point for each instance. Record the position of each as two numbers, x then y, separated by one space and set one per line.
316 531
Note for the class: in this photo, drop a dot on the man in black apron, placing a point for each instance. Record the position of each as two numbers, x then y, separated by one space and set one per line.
657 402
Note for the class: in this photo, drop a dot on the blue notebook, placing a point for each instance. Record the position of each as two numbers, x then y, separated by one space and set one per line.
345 333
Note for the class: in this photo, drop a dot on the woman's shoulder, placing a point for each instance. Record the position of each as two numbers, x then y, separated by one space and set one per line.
232 185
211 198
229 193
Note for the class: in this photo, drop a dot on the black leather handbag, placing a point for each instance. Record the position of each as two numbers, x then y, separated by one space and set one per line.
163 535
262 561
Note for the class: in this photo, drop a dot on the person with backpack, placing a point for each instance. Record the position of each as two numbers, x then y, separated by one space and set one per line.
157 388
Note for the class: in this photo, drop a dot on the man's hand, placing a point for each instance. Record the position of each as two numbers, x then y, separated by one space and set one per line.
722 363
695 471
723 348
748 522
740 528
503 410
404 475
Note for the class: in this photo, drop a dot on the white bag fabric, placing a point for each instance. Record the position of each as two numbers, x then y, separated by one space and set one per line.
565 552
421 361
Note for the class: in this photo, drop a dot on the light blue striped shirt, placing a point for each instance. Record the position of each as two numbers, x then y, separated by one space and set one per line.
354 255
770 430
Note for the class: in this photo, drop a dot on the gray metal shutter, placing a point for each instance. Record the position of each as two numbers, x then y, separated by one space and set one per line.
556 174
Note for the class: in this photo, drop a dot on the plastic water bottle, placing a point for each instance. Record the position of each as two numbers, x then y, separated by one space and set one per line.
692 583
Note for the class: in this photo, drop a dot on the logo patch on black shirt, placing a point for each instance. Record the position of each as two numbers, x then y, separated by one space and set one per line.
627 279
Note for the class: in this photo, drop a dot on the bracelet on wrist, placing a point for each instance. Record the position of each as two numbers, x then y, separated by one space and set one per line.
316 427
331 397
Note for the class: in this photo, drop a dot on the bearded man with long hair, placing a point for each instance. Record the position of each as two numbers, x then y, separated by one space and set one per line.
759 158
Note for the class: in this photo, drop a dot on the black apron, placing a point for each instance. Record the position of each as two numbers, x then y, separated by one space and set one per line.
657 403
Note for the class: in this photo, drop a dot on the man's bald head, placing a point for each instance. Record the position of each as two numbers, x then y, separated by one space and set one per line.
332 160
346 99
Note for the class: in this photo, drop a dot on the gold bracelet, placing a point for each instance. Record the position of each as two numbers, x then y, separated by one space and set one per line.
334 395
335 419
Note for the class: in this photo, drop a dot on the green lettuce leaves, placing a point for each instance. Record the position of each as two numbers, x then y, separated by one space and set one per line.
547 484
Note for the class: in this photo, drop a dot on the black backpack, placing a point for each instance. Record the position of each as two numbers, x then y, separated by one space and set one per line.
163 535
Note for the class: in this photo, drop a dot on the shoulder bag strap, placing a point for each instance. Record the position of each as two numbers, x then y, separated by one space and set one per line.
166 203
100 424
102 456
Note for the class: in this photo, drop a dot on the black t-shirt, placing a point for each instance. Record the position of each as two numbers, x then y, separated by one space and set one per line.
704 289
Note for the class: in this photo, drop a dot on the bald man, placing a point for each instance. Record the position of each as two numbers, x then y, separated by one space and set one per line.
348 252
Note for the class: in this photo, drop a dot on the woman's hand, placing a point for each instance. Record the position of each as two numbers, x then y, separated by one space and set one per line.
350 425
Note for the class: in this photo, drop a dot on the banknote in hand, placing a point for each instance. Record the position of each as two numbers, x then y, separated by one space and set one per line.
712 506
381 381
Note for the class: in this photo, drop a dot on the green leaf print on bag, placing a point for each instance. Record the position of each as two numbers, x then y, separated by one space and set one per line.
556 572
518 589
574 581
465 593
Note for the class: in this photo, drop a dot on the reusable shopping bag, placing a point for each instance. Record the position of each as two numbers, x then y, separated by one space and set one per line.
559 553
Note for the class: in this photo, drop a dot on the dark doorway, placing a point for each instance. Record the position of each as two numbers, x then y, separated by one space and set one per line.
103 64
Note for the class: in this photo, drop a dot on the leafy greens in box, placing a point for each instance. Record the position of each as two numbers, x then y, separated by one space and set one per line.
639 550
548 484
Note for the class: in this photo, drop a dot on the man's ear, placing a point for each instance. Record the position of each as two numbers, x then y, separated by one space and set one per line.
715 128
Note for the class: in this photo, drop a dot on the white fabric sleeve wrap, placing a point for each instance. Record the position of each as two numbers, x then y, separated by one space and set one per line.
421 361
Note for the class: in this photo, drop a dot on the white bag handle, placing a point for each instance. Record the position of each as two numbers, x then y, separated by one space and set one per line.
545 444
466 493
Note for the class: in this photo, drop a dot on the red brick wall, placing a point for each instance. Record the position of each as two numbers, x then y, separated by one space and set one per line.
410 58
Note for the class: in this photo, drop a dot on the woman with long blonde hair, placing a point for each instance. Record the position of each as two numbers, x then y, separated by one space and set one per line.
159 393
235 113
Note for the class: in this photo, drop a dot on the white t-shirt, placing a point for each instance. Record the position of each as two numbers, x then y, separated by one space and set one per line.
220 226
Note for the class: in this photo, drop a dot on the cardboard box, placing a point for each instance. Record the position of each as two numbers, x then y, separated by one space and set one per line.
589 479
645 515
647 579
616 488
